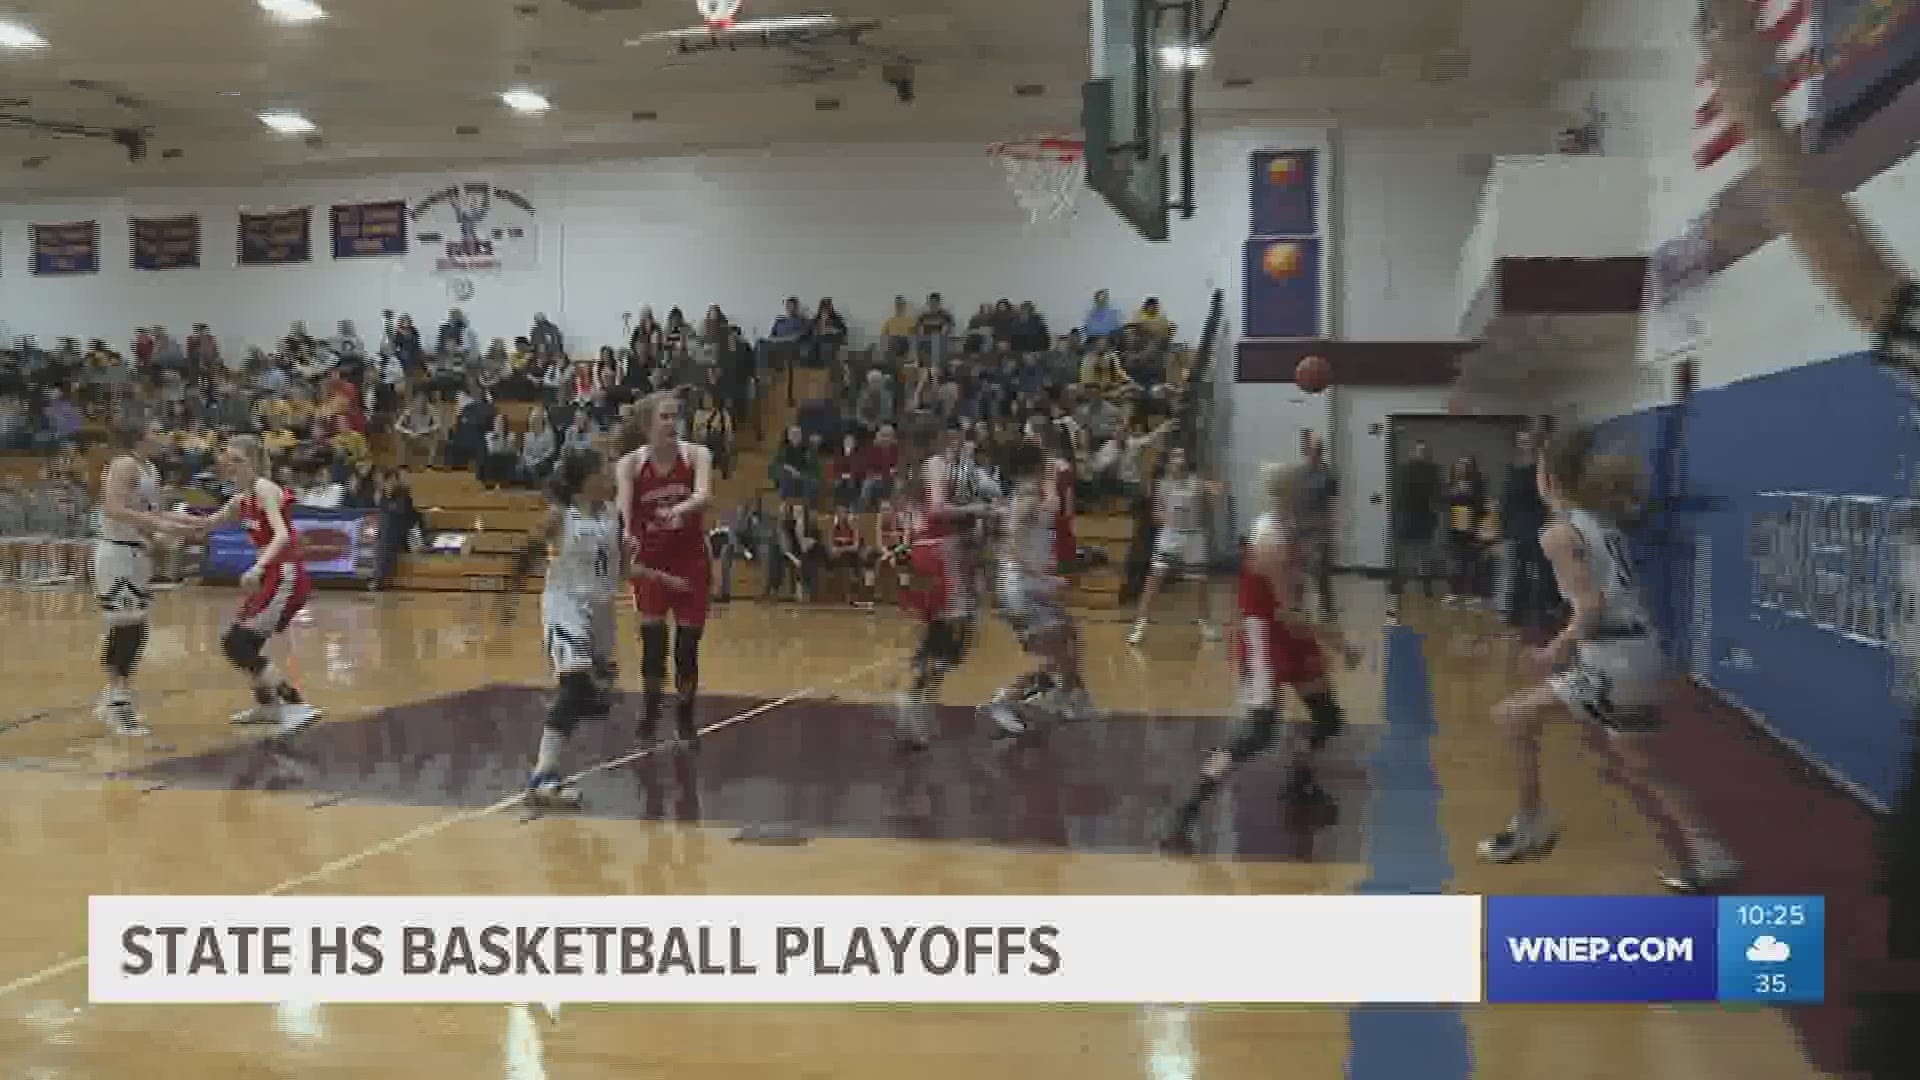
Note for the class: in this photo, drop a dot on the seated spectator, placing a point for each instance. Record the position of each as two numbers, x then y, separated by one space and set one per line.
418 429
346 341
582 434
319 491
545 337
1103 320
801 552
456 337
473 418
538 447
497 460
900 328
63 421
845 552
789 334
848 469
16 433
980 330
1102 374
874 406
795 469
1003 320
712 427
936 325
279 441
828 335
1028 332
644 343
1152 324
881 472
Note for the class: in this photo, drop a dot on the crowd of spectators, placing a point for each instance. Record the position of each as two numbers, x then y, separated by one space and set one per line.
320 403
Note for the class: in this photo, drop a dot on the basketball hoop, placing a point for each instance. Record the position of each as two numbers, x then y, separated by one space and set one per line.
1045 173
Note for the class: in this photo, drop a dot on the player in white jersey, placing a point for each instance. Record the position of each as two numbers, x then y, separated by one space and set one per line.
1030 594
1614 671
1181 502
584 551
130 522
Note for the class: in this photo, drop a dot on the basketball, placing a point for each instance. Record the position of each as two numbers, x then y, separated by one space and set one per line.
1313 374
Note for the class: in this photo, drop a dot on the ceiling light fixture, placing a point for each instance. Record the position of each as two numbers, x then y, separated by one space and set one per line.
1183 57
525 102
293 11
782 25
15 36
288 123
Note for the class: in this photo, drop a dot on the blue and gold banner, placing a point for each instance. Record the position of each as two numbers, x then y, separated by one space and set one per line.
1283 288
1286 193
69 248
276 239
1594 949
369 229
165 243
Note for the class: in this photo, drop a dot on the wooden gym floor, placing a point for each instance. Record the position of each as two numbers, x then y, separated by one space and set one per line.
430 723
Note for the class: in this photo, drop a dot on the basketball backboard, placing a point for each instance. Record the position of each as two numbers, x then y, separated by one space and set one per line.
1122 112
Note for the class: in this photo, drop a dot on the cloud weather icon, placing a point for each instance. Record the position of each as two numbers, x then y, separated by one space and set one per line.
1768 949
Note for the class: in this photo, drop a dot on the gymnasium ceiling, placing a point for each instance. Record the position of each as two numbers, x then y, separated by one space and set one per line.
414 84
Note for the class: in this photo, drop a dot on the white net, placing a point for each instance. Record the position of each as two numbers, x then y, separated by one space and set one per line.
1046 175
718 12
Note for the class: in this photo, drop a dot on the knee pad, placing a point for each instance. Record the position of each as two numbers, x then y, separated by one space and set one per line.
579 699
1256 736
686 657
653 651
243 646
1325 719
122 648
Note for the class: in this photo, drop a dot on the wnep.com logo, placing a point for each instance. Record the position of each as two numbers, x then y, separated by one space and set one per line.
1601 949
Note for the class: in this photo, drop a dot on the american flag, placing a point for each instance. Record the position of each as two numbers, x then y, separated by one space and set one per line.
1789 26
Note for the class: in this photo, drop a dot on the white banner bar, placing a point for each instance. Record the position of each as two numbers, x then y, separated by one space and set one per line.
779 949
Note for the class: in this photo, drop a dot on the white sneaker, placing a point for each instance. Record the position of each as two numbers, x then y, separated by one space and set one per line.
257 714
1139 633
295 718
1520 840
1074 706
1712 866
117 712
1208 631
1004 718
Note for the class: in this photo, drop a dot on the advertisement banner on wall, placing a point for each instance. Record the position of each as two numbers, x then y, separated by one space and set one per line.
475 227
335 544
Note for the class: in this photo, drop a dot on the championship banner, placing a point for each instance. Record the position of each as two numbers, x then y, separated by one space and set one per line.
165 243
1282 289
369 229
333 544
276 239
476 227
1286 190
71 248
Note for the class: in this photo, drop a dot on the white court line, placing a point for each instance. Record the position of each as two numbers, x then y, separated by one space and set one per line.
72 964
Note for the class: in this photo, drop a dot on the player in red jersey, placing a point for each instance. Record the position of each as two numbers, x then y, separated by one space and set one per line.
1276 644
663 486
276 585
950 497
